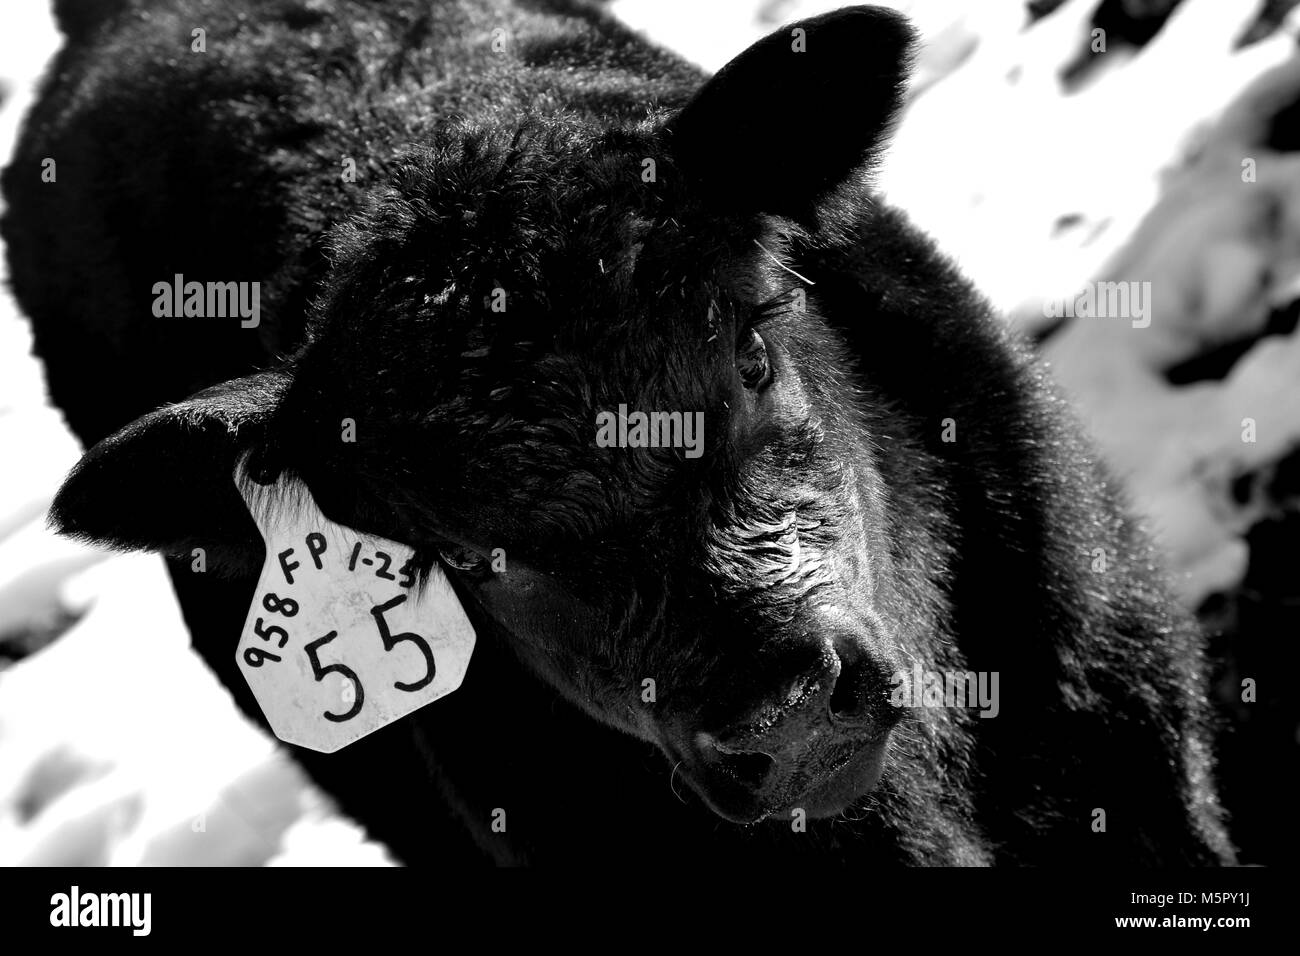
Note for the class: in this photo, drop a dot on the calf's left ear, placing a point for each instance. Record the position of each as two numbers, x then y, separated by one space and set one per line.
166 481
796 114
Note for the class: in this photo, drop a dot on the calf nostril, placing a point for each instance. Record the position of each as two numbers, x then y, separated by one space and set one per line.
846 703
859 686
748 768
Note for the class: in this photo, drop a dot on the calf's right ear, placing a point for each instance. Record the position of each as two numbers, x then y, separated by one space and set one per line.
165 482
797 114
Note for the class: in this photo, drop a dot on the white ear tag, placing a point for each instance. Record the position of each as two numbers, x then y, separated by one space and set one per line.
339 640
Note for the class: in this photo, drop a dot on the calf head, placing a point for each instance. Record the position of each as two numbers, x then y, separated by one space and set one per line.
496 322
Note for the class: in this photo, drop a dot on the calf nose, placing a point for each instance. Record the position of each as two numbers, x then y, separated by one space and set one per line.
805 717
847 688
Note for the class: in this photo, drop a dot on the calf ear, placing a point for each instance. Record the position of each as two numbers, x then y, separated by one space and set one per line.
797 113
165 482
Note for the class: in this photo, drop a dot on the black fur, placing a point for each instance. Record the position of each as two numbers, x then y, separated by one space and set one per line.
827 537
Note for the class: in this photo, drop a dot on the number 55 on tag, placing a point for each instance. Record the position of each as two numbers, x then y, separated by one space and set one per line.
340 638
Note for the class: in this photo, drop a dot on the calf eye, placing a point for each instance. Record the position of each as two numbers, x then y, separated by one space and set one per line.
751 360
